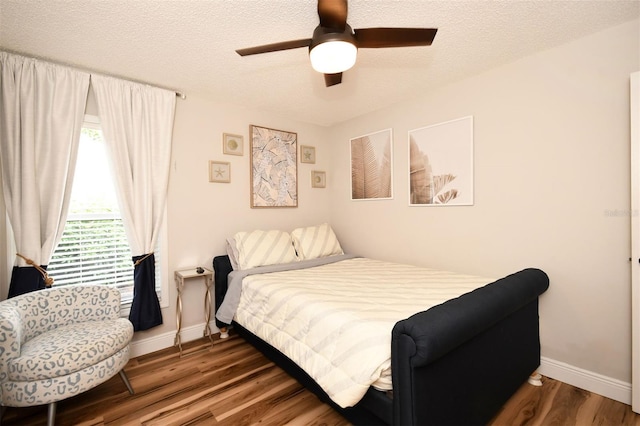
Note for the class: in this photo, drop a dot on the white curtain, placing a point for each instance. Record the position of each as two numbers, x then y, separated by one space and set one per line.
137 123
41 114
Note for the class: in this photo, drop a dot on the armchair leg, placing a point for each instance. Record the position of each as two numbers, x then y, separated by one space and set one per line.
125 379
51 414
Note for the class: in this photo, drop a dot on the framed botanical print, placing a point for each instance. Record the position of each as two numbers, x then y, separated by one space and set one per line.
274 168
441 164
372 166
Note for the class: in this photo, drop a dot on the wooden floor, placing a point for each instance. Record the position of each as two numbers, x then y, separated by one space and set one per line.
233 384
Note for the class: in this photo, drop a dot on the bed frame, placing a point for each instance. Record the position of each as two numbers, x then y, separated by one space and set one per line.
454 364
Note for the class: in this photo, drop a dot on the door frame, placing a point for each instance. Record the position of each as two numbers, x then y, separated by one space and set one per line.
635 240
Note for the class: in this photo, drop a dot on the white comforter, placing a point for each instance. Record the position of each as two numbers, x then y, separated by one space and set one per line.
335 320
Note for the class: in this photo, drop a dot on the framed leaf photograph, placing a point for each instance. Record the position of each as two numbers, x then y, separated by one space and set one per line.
274 172
441 164
372 166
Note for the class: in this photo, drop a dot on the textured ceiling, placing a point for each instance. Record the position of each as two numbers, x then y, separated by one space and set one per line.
188 45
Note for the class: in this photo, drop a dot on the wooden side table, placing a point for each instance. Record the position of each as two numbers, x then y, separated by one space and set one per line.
181 277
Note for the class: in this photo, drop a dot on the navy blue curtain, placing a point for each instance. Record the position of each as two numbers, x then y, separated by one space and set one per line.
25 279
145 309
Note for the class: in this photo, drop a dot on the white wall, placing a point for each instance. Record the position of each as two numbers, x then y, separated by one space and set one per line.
551 135
201 215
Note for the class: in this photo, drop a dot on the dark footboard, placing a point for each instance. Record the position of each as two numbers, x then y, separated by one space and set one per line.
459 362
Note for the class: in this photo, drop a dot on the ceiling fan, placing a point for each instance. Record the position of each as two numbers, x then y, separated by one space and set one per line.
334 44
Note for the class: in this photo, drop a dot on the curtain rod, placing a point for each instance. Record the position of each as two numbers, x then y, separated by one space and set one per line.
179 94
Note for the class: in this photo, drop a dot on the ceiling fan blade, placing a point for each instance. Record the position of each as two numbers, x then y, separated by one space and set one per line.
274 47
333 13
332 79
394 37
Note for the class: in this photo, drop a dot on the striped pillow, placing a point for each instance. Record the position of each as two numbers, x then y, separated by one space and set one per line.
261 248
232 252
315 241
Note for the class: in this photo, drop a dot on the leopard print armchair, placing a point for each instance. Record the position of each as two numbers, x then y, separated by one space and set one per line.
57 343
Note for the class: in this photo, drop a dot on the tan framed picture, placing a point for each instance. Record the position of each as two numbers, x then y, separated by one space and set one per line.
372 166
274 168
307 154
318 179
232 144
441 164
219 171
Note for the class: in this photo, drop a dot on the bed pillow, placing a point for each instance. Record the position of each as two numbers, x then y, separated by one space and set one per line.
315 241
232 252
261 248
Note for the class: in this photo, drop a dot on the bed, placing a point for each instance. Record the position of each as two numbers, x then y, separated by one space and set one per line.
456 361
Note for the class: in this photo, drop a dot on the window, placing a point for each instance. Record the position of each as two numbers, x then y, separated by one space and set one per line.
94 247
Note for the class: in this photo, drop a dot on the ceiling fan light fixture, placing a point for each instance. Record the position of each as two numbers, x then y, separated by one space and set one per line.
332 51
333 56
333 48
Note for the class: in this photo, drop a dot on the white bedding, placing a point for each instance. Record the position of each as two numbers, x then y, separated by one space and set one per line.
335 320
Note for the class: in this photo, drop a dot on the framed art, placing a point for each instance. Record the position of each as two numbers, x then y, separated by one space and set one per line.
219 171
232 144
318 179
441 164
274 168
372 166
307 154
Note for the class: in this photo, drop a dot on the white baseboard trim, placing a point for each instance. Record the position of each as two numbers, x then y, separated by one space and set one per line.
587 380
163 341
583 379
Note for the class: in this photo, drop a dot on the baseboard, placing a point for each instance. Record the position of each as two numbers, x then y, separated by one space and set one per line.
587 380
163 341
583 379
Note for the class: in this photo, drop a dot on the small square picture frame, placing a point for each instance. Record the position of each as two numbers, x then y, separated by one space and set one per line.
232 144
318 179
219 171
307 154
